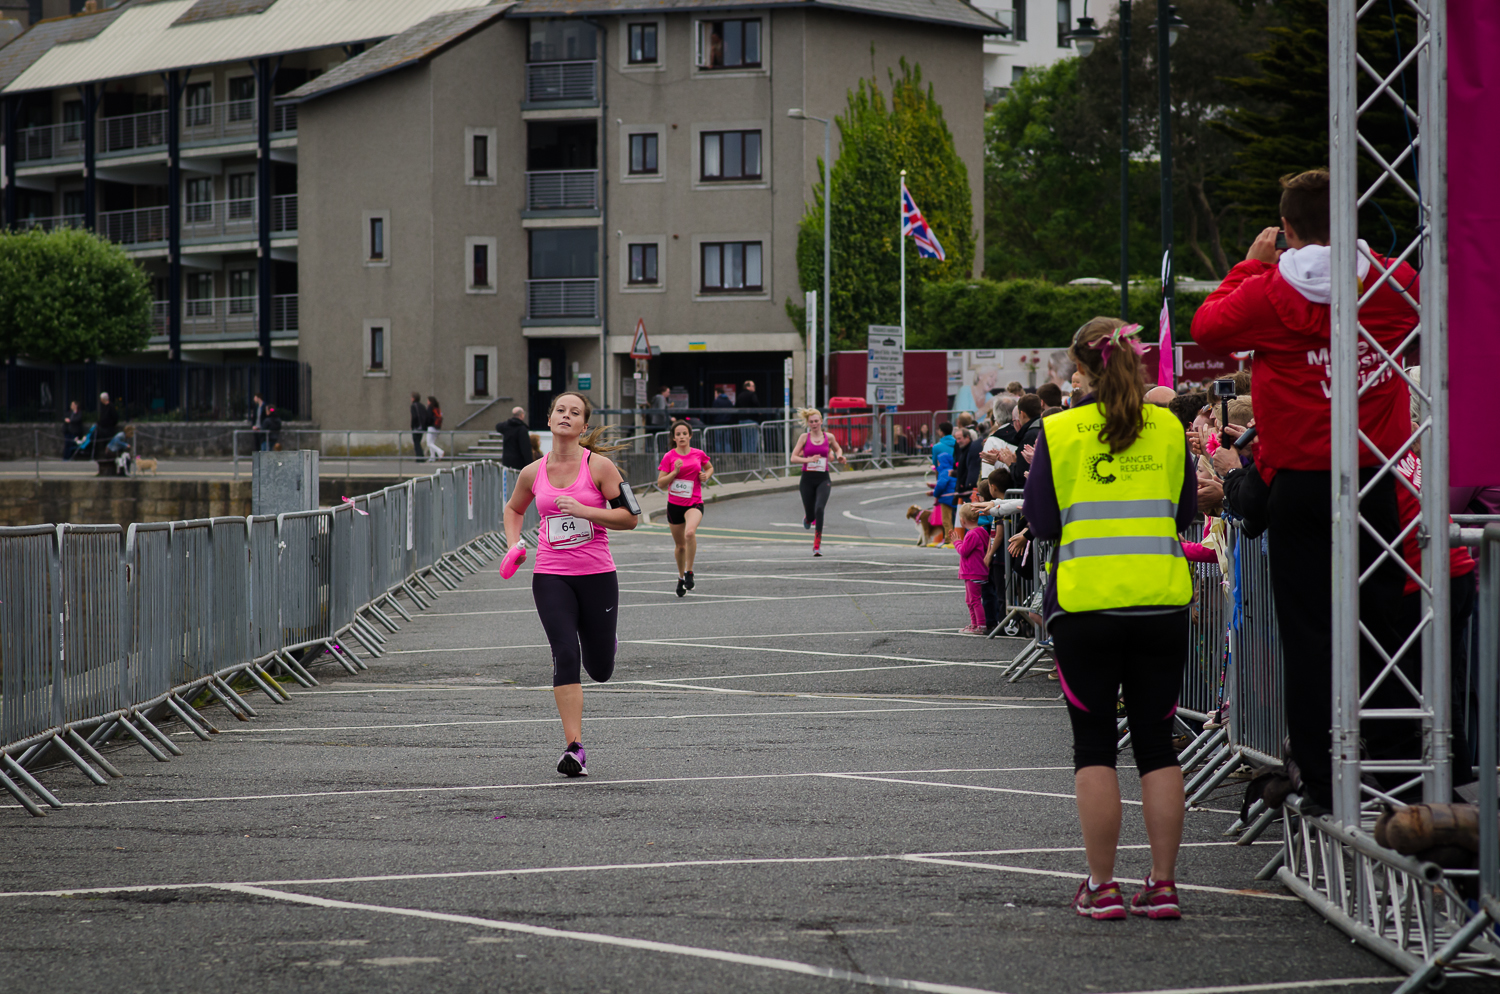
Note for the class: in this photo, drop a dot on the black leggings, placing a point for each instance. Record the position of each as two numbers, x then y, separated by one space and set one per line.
814 488
1097 655
579 614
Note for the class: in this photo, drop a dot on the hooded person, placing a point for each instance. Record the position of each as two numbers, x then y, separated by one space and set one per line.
945 490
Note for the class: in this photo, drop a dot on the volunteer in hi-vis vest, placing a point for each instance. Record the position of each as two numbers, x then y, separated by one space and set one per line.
1111 487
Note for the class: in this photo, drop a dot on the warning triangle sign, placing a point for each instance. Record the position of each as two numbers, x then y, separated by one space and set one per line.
640 346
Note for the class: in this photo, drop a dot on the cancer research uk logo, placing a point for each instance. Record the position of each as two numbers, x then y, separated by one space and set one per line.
1094 468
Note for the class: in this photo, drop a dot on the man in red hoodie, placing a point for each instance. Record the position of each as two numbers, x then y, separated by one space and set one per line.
1277 303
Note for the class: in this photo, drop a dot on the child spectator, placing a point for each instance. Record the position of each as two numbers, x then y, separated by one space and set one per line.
971 567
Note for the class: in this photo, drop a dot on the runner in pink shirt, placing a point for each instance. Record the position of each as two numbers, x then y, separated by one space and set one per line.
681 474
579 494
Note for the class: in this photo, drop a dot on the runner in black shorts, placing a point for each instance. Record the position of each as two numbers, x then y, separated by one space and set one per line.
681 474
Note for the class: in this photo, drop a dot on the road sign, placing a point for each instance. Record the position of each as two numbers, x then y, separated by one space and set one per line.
884 372
885 366
640 346
878 395
585 381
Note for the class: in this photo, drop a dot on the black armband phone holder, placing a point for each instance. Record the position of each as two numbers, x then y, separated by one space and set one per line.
626 499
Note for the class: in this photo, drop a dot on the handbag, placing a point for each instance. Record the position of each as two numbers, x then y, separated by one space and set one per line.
936 517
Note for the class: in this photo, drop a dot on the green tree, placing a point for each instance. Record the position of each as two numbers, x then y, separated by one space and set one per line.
69 296
1280 115
1014 314
1052 175
877 142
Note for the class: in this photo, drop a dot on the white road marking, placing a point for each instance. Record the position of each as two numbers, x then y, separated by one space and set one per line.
914 660
580 784
649 945
962 786
1032 871
721 599
908 493
875 521
587 868
1290 985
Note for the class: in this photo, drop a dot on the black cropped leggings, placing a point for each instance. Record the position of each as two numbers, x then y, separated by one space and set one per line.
814 487
1099 654
579 614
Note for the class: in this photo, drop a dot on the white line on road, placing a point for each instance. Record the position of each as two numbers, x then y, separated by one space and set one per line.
944 591
875 521
648 945
1032 871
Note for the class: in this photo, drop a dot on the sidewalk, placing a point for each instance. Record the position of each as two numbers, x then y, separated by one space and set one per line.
655 502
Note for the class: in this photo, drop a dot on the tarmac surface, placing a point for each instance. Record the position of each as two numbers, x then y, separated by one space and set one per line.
801 779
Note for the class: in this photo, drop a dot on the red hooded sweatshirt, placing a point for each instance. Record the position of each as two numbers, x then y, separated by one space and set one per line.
1256 307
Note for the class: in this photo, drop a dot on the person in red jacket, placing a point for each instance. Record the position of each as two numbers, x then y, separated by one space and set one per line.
1277 304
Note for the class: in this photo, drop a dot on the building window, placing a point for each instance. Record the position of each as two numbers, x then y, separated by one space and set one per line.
200 295
481 265
242 291
199 99
561 40
1018 10
479 256
1016 72
564 253
642 44
481 374
241 196
643 264
242 98
1064 23
731 155
480 156
643 154
729 266
199 208
729 44
377 239
377 347
72 120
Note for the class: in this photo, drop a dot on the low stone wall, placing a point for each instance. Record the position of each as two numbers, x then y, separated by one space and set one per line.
156 439
119 501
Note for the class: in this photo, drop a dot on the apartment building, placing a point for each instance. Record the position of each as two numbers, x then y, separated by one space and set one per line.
1034 37
471 199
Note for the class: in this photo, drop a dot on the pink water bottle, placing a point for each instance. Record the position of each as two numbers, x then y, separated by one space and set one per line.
513 559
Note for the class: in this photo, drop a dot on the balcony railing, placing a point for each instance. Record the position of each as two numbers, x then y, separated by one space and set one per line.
131 131
215 218
561 81
562 188
284 212
228 315
161 310
228 119
562 298
51 223
123 133
134 227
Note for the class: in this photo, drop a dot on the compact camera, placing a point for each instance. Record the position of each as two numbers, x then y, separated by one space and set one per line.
1224 389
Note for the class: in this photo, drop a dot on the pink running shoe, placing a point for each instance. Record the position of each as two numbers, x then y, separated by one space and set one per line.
1157 900
1104 904
514 557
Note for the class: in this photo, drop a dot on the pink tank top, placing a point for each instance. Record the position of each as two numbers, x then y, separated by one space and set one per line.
570 545
816 450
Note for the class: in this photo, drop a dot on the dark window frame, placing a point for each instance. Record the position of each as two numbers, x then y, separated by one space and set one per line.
479 156
648 33
377 347
648 254
708 30
1064 24
650 157
723 177
704 251
377 239
479 265
481 374
1018 13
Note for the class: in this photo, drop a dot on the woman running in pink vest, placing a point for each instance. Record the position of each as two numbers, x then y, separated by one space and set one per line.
814 449
681 473
579 494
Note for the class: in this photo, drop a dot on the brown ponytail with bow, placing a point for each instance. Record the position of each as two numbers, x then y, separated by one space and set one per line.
1104 349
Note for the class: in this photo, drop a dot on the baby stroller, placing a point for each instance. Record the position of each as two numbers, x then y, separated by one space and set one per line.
85 445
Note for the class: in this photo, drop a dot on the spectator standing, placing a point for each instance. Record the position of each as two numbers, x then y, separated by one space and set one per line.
418 423
722 404
1050 394
105 426
434 425
746 400
72 429
272 424
1116 606
1015 389
966 455
1277 303
944 444
1027 420
515 450
660 404
971 567
256 419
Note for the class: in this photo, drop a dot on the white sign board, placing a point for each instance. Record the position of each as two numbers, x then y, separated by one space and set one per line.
884 372
877 395
885 367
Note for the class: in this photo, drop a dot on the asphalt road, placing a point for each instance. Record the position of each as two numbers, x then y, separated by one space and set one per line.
802 779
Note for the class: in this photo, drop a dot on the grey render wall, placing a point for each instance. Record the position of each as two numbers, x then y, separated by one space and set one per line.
396 144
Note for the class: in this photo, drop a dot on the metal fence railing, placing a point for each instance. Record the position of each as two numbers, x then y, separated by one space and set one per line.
106 632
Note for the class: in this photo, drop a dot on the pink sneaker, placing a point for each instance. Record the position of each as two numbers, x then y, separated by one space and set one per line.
1104 904
1158 899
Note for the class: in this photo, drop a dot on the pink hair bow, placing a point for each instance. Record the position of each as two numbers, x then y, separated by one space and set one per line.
1123 334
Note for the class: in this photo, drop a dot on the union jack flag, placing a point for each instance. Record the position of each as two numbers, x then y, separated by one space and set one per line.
915 225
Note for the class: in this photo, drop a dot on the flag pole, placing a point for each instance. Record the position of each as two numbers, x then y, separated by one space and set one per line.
901 234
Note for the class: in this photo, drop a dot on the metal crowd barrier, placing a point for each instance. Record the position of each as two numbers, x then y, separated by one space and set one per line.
107 632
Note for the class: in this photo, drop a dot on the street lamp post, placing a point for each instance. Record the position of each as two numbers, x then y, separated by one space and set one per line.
798 114
1085 37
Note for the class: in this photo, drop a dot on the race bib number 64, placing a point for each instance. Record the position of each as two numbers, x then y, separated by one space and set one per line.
565 531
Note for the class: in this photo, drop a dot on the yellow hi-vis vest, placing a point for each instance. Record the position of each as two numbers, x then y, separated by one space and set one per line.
1119 544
